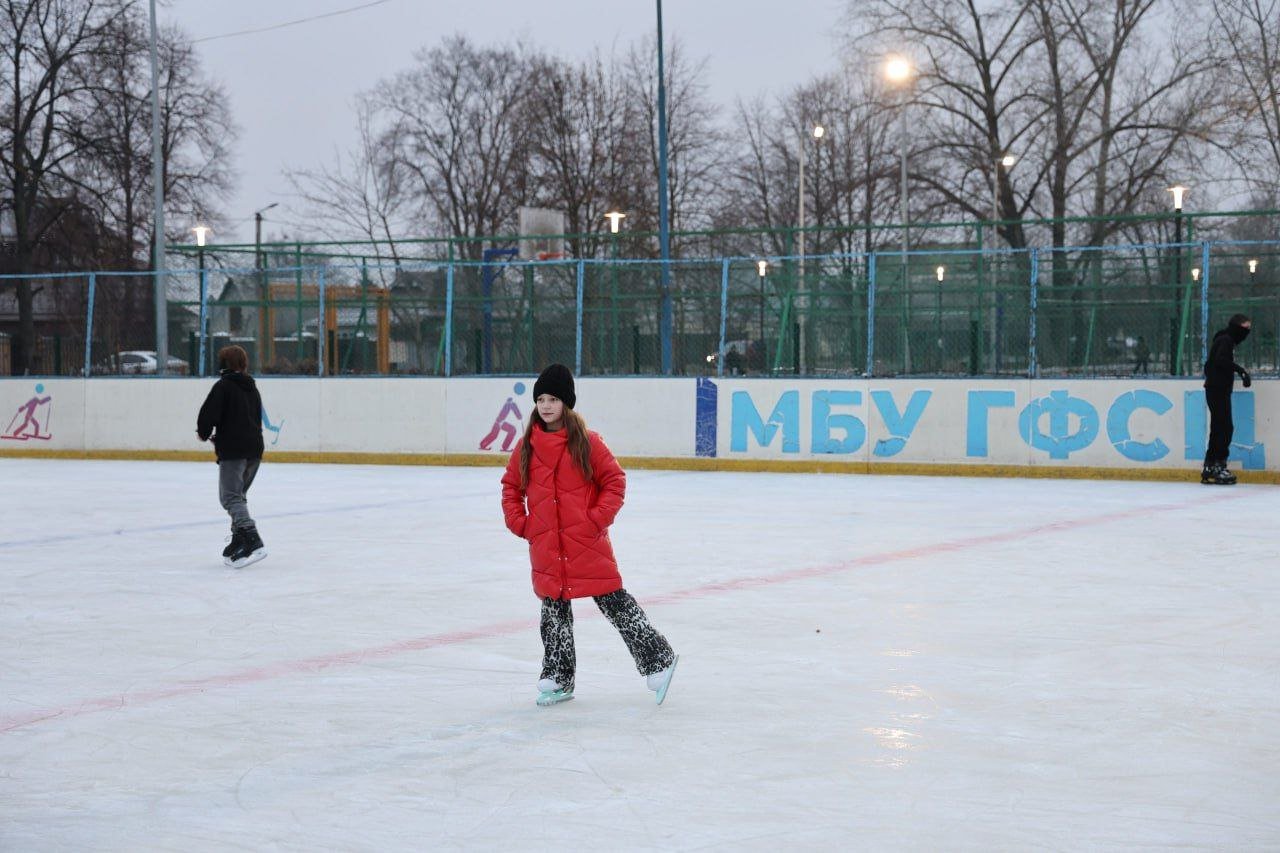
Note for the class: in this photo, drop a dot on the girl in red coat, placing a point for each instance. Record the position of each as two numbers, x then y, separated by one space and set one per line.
561 491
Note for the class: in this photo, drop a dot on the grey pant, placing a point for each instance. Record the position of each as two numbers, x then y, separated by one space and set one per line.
235 476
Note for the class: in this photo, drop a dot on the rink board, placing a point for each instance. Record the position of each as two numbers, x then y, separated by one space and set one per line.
1140 427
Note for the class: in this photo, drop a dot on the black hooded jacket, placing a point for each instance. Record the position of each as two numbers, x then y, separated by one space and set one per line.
232 417
1221 368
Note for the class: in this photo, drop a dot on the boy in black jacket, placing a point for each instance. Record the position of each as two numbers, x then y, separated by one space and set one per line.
1219 377
232 418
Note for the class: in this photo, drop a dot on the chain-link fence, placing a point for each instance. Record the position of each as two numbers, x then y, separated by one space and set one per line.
936 311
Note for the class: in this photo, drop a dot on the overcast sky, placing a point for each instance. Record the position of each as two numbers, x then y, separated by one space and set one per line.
291 89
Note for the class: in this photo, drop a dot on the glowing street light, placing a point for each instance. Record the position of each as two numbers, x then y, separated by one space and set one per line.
614 218
1253 268
1195 273
1177 196
897 69
942 273
200 232
762 268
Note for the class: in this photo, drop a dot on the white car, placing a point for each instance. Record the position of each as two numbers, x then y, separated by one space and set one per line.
143 362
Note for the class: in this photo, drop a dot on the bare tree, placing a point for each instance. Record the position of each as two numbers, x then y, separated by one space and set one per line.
1249 41
365 191
196 129
695 142
42 42
973 101
852 170
585 151
456 125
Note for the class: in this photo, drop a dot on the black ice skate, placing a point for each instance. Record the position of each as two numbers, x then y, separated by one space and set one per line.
233 543
1217 475
251 550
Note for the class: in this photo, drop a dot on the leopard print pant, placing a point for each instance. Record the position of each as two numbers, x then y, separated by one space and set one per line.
650 650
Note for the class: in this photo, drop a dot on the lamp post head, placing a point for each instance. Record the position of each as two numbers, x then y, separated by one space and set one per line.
942 273
1177 196
762 267
1008 160
1195 273
614 218
819 131
1253 266
200 232
897 69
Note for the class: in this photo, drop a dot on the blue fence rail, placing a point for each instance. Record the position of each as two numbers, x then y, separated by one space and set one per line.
1076 311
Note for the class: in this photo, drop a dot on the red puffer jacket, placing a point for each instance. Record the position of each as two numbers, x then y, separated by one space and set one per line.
567 515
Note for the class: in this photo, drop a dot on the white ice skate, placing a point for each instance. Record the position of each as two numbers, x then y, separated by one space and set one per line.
659 681
550 692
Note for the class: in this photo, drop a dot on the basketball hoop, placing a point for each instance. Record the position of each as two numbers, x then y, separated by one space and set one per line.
541 233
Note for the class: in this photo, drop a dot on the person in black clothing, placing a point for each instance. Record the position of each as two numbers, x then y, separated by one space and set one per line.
231 417
1219 377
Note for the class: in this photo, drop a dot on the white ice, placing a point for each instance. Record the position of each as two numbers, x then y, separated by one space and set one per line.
866 663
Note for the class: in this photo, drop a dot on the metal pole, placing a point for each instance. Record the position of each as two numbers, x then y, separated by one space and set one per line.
664 215
322 328
871 314
906 292
1204 302
1033 366
724 312
157 181
577 357
88 326
204 312
1175 345
262 284
800 267
448 321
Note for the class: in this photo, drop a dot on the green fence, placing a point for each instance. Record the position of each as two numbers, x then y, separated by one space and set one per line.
934 311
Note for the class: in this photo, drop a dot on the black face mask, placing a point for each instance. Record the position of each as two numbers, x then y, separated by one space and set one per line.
1238 333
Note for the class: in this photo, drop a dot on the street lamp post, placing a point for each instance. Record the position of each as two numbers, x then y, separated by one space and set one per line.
259 263
201 231
897 70
818 132
940 273
1174 342
157 182
666 320
615 217
997 340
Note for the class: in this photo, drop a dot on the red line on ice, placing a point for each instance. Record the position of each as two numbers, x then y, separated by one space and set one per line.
322 662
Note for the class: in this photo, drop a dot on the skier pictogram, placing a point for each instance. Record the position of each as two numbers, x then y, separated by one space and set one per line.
34 415
501 424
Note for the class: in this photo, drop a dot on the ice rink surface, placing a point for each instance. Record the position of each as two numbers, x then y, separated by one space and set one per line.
866 663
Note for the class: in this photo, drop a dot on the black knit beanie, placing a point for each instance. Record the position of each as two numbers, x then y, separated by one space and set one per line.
557 381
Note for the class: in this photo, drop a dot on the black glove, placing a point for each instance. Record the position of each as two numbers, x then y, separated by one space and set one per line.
1245 379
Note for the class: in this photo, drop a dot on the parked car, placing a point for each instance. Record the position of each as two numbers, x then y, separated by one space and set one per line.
140 363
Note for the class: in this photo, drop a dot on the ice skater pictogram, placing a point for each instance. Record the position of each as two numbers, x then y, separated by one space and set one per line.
275 428
502 425
35 414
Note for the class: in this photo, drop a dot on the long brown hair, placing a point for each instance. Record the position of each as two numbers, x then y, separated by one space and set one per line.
579 445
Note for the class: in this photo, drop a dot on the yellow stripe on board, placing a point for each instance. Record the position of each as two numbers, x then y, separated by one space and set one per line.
780 466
